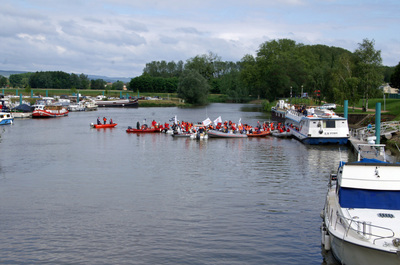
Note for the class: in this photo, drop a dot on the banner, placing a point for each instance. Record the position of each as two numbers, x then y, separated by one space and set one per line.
217 120
207 122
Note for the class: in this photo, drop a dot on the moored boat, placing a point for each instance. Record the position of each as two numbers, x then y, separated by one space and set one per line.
362 210
100 126
221 134
22 111
119 103
318 127
6 118
49 111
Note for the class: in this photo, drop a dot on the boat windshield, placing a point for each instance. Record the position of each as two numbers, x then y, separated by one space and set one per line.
369 199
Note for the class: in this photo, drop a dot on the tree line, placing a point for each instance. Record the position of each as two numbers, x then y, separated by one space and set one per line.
57 80
281 68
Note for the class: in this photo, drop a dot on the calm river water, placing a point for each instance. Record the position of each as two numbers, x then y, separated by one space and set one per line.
70 194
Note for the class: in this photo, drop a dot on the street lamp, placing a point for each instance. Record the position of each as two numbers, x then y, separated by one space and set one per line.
301 91
290 94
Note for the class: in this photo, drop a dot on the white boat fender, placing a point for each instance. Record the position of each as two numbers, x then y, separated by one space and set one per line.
327 245
325 238
91 125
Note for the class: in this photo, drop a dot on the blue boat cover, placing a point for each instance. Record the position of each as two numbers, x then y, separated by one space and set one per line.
371 161
369 199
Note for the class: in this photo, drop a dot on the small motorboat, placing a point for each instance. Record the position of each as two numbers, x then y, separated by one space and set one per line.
230 134
100 126
6 118
258 134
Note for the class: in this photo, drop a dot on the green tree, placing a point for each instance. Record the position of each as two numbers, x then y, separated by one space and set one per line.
3 81
368 66
84 81
119 85
98 84
19 80
395 77
193 87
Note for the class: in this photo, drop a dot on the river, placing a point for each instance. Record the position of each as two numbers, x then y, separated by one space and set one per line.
70 194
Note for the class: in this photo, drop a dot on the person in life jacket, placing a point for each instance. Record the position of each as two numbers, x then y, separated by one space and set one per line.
104 120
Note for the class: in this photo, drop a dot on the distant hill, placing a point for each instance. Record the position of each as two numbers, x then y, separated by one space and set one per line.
105 78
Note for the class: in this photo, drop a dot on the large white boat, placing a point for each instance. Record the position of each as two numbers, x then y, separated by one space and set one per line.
318 126
361 216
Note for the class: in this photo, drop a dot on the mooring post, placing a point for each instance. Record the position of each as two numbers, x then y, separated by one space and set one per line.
47 93
346 106
20 99
77 97
31 93
378 122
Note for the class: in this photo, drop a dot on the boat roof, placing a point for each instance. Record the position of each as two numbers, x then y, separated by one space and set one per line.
371 174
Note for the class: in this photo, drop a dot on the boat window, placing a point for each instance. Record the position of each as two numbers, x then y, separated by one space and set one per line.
330 124
369 199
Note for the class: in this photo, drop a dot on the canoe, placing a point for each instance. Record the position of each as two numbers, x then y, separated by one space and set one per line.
219 134
100 126
258 134
148 130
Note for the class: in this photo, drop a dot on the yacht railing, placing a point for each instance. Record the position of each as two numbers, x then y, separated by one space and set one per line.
362 228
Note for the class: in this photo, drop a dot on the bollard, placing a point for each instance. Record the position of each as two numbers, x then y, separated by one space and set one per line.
378 123
346 107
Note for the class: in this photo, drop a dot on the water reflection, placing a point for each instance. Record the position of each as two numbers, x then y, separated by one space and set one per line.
80 195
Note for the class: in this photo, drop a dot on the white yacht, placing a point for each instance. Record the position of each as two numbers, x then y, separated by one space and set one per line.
361 216
318 126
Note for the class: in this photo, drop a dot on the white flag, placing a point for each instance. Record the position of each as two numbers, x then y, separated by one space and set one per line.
207 122
239 123
217 120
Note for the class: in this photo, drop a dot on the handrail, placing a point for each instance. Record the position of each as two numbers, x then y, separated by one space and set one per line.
344 220
364 132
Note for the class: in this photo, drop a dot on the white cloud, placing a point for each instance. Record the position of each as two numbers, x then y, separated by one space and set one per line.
118 37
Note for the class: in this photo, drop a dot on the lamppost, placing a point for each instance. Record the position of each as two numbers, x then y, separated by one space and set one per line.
301 91
290 95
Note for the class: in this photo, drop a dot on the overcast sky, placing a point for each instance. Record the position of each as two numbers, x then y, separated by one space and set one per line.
117 38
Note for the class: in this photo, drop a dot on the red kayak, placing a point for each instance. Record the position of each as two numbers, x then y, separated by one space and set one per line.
147 130
100 126
258 134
